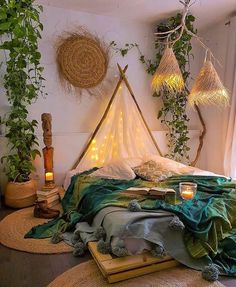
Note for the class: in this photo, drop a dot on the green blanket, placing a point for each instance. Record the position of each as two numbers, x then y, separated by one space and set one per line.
210 218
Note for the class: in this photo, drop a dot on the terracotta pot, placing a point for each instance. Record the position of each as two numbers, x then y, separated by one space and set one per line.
20 194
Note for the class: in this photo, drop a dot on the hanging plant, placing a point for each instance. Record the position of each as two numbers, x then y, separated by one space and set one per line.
173 113
20 29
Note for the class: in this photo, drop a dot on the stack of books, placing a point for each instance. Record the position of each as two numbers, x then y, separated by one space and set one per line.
51 196
166 194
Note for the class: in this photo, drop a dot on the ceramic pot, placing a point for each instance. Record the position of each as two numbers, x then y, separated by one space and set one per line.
20 194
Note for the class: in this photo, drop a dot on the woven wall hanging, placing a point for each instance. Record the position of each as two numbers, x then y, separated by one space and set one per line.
82 60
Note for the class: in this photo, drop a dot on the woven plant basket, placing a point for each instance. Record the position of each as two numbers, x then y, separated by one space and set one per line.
20 194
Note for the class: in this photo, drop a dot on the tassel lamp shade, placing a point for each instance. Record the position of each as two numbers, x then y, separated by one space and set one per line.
168 75
208 88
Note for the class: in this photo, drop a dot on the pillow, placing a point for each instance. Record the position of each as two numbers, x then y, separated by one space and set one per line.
115 170
152 171
171 165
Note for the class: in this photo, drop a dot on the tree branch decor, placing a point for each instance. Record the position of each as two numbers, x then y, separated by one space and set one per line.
20 29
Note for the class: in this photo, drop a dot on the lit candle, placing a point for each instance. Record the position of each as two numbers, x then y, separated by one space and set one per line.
187 190
187 194
49 176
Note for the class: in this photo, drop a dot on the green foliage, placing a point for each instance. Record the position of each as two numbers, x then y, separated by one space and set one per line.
123 51
20 29
173 112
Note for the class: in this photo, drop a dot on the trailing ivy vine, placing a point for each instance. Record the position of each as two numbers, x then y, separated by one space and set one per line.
20 29
173 112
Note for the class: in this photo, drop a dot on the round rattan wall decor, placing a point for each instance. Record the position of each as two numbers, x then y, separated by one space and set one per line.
82 60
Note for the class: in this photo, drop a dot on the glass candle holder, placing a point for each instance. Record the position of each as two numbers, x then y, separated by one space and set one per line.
49 176
49 180
187 190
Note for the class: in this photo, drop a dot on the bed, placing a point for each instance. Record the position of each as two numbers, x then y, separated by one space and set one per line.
197 233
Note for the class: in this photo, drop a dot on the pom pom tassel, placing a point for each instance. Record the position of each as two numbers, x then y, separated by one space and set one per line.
134 206
158 251
100 233
103 247
80 249
210 273
56 238
120 250
176 224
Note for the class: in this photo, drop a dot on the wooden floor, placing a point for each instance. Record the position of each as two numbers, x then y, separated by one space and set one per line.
21 269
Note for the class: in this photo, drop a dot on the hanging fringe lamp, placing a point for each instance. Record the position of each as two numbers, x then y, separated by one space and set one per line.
208 88
168 75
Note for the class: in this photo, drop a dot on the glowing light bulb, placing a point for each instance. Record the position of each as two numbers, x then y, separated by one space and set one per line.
94 141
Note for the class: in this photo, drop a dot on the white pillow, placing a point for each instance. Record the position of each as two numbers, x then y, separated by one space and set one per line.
171 165
115 170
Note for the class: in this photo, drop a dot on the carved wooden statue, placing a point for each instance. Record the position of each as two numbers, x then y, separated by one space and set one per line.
47 139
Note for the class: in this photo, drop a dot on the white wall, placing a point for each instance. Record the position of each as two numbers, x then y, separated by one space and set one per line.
216 37
71 116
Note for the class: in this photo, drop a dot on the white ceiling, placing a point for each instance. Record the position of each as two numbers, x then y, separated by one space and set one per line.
207 12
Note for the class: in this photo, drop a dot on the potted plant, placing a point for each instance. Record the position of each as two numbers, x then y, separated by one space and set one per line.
20 29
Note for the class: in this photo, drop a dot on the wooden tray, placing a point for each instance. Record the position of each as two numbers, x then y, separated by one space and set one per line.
118 269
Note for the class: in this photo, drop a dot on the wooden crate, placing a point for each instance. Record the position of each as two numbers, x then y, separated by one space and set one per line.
118 269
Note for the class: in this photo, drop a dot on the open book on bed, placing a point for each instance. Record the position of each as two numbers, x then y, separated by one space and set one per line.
158 191
166 194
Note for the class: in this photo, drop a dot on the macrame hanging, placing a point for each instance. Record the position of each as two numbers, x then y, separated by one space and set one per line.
82 60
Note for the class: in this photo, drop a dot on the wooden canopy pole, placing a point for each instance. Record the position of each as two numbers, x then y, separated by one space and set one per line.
102 119
136 103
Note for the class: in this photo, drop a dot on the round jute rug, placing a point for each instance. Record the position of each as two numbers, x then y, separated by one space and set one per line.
13 228
88 275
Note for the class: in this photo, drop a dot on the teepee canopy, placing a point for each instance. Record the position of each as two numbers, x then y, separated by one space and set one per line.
121 133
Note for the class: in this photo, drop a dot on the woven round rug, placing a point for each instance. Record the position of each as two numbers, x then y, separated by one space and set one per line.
88 275
82 61
14 226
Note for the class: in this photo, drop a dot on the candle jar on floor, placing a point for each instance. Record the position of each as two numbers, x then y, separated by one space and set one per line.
187 190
